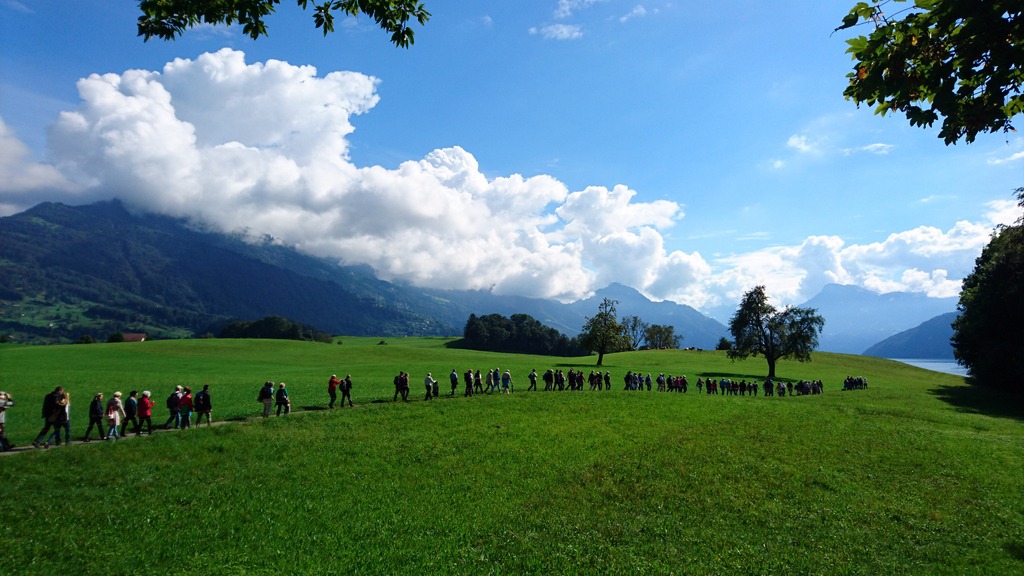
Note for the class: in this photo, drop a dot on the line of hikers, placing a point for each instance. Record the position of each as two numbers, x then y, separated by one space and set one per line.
496 381
116 415
137 410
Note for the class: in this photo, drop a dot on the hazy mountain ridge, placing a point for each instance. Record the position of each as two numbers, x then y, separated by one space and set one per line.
856 318
101 269
928 340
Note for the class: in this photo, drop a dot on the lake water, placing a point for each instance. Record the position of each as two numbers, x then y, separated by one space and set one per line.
947 366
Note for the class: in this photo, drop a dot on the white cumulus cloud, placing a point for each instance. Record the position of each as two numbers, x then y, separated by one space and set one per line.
21 178
263 148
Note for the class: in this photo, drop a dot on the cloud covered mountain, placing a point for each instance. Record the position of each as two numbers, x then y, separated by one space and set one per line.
265 148
101 269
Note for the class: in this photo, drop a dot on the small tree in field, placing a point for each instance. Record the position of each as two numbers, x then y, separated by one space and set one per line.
602 333
759 328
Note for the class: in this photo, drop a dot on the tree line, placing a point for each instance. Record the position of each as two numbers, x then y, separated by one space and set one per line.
519 334
274 327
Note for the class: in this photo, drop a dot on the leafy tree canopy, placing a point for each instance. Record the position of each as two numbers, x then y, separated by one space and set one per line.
634 330
658 337
960 60
759 328
986 336
602 333
274 327
168 19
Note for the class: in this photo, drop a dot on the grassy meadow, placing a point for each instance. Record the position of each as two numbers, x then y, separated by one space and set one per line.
919 474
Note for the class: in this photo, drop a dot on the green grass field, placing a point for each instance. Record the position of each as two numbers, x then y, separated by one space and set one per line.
919 474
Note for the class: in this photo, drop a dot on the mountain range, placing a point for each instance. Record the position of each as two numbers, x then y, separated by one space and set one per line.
100 269
856 319
930 339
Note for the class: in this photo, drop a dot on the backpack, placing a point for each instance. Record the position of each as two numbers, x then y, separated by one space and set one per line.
173 401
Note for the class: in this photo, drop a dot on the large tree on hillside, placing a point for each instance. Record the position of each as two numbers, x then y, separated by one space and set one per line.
959 60
168 19
602 333
987 336
758 328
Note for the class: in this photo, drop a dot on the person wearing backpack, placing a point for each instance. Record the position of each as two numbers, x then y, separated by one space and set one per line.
266 396
346 390
203 405
174 407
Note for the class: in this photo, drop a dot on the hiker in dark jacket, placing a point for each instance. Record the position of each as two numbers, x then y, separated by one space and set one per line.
50 413
131 412
96 416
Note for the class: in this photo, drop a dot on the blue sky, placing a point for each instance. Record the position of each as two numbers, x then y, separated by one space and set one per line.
545 148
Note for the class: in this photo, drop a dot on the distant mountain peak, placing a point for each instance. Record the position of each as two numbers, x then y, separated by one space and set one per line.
617 291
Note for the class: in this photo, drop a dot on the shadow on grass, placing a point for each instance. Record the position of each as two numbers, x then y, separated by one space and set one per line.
1015 549
736 376
981 400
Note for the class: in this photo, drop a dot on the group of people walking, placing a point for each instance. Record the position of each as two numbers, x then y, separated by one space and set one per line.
496 381
113 418
270 397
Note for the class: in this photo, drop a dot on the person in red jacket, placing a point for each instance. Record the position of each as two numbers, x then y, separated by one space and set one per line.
332 389
145 413
186 408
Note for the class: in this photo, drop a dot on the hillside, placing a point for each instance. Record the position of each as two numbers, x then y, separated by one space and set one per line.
930 339
919 474
100 269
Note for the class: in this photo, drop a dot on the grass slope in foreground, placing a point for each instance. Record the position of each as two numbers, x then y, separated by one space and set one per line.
917 475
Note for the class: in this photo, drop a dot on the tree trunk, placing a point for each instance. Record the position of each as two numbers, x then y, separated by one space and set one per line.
771 368
600 358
